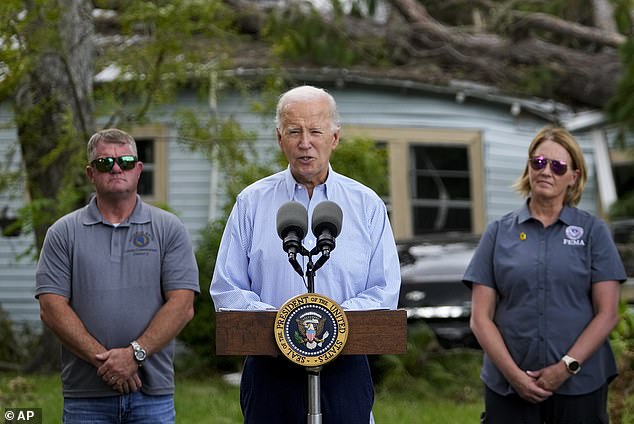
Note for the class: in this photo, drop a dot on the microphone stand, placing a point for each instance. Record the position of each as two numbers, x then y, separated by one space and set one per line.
292 225
314 380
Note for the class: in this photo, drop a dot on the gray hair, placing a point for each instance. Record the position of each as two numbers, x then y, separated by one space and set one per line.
109 136
307 93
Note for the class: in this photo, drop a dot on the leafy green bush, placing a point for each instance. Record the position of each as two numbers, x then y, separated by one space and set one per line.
200 334
622 341
17 342
9 351
427 371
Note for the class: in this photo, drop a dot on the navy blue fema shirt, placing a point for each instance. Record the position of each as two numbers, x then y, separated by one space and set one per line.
543 278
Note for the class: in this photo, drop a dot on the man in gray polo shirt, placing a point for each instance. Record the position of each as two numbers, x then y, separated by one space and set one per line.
116 281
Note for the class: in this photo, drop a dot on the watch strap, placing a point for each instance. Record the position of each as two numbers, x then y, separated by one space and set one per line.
139 353
572 365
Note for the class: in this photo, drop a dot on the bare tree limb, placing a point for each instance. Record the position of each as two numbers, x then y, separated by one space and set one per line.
576 74
560 26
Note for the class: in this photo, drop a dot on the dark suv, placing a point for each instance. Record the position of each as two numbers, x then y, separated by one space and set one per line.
432 267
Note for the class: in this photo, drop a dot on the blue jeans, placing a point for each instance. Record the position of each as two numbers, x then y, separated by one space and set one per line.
133 408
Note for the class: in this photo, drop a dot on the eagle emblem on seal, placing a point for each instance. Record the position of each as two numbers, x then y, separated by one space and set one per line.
310 327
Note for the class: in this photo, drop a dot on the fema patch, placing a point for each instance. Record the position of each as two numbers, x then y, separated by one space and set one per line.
573 232
311 330
141 239
573 236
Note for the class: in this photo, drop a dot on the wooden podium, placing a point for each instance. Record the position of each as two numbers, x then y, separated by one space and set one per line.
373 332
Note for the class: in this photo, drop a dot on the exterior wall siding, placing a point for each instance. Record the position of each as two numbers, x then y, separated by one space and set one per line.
505 139
17 272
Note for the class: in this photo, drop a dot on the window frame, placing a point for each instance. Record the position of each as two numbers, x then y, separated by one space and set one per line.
399 142
158 135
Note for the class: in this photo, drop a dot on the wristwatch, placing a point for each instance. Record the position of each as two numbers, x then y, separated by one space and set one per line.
572 365
139 353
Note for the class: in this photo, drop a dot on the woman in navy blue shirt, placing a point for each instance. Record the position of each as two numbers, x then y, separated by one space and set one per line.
545 292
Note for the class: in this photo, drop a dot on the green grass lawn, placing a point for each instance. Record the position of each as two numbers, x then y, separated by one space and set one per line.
213 401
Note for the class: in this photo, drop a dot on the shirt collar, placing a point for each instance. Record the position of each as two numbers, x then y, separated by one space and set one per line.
524 214
140 214
567 214
290 182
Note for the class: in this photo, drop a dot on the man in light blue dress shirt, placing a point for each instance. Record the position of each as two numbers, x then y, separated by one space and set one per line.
253 272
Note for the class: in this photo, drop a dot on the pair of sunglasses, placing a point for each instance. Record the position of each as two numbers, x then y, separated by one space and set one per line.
558 167
125 162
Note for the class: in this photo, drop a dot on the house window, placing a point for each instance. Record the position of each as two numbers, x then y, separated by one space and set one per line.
441 189
623 171
435 178
145 149
151 144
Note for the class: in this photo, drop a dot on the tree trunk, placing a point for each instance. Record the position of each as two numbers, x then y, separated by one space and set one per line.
53 112
604 15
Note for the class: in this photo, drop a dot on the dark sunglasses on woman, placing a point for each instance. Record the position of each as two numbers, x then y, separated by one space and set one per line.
558 167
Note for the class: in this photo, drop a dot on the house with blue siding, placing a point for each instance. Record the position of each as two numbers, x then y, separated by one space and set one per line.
454 152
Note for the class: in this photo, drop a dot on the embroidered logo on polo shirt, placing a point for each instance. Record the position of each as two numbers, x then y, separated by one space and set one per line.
573 236
141 239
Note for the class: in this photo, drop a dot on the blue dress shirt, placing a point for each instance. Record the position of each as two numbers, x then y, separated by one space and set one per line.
253 272
543 278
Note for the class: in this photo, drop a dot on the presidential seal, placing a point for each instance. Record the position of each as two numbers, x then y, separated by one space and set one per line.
311 330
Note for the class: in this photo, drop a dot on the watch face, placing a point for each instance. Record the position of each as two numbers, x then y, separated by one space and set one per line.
573 366
139 355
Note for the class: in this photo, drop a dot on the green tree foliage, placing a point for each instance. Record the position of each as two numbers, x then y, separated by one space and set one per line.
364 161
49 52
45 51
621 106
623 208
623 16
306 36
166 45
622 342
231 149
48 57
621 111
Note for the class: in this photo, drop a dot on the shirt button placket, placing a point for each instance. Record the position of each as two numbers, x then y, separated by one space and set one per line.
116 244
542 295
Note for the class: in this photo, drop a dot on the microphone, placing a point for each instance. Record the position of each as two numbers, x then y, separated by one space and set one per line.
326 226
292 224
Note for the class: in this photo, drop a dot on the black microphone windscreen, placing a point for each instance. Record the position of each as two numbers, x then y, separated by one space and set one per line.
327 214
292 216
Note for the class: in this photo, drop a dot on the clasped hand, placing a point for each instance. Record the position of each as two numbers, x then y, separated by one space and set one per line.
537 386
118 369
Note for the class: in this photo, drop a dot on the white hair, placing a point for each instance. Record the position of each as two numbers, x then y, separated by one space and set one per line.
307 93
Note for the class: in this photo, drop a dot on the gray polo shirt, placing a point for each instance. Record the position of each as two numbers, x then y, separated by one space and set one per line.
115 278
543 278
